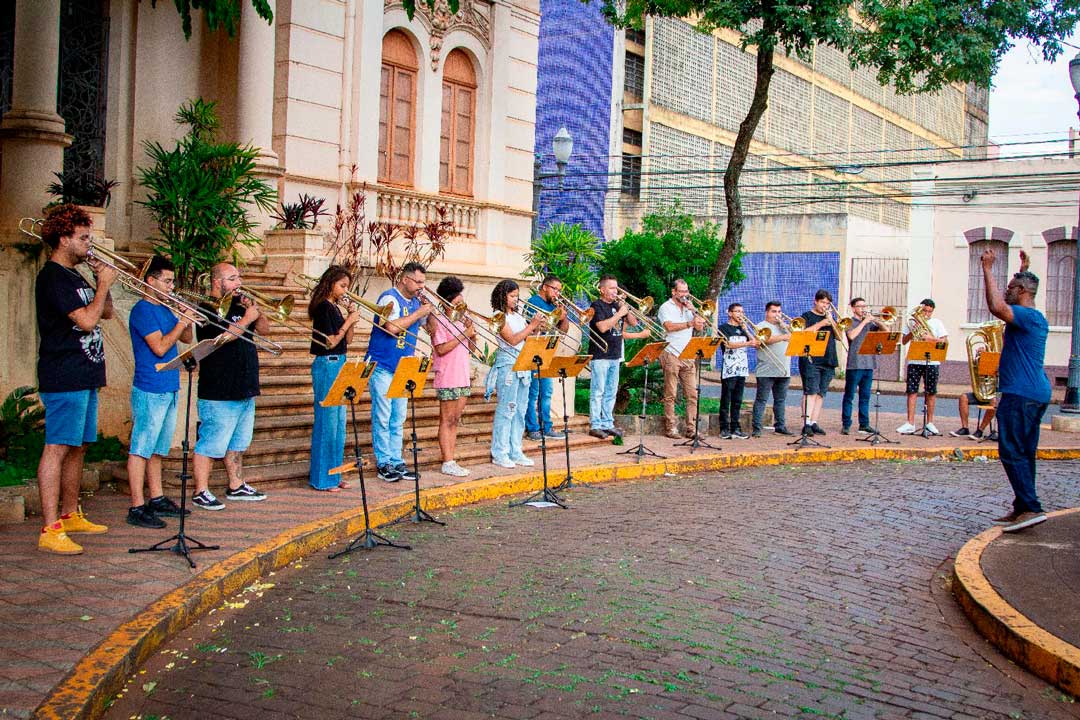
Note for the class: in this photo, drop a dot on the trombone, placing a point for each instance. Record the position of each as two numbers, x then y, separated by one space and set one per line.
640 308
582 317
454 312
886 317
792 324
762 335
135 283
381 311
840 324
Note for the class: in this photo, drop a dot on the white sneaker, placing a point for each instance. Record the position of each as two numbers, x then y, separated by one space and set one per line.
450 467
503 462
932 429
906 429
523 461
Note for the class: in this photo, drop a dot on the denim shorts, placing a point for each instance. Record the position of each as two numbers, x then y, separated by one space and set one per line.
224 426
70 417
153 420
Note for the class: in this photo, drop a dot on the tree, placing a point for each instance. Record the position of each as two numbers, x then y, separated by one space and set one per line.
918 45
199 193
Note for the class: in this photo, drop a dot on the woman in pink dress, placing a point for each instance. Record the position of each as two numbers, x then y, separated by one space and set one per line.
452 376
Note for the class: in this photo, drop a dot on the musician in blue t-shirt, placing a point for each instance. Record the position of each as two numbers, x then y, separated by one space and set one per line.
390 341
154 334
1024 387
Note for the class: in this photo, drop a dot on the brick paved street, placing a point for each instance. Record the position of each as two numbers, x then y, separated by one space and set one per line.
791 591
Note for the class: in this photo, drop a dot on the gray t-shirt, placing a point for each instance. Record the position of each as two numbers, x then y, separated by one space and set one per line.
773 362
855 361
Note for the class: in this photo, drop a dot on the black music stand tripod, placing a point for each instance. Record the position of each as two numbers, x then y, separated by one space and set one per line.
562 367
928 350
878 343
409 379
695 350
813 344
188 360
352 379
644 357
537 355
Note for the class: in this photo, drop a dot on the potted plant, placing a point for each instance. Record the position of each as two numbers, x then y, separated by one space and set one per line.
296 234
92 192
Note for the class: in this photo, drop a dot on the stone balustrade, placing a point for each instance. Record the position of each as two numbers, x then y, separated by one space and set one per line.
402 207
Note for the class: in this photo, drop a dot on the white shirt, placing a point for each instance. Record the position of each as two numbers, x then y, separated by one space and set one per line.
672 311
938 329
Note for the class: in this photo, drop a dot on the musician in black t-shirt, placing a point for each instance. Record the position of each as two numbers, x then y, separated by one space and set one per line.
817 372
228 386
608 322
71 368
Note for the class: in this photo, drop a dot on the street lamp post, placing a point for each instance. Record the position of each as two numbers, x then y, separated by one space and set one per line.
1072 392
561 145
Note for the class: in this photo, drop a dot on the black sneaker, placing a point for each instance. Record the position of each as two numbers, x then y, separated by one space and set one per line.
555 435
817 429
613 433
739 435
867 430
533 435
845 431
387 473
783 431
245 492
960 432
404 472
143 516
992 437
755 433
725 435
807 430
977 436
164 507
207 501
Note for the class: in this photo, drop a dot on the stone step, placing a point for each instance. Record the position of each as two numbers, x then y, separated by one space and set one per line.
295 425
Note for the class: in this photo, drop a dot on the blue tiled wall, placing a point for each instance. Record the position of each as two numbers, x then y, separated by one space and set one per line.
574 90
791 278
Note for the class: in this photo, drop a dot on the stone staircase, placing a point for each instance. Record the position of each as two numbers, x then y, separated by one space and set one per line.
281 444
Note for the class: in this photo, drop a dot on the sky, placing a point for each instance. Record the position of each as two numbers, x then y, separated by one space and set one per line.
1032 99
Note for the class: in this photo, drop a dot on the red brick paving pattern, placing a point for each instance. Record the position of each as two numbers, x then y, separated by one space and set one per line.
795 591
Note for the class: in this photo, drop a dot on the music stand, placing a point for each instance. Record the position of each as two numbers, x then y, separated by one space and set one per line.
352 379
807 344
188 360
987 364
927 350
409 379
562 367
695 350
878 343
536 354
644 357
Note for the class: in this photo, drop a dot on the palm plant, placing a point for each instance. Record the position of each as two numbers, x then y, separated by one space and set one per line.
570 252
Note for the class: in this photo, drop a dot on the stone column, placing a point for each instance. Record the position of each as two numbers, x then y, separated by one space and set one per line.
255 100
32 133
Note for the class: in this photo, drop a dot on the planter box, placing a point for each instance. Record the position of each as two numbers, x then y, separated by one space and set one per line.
298 251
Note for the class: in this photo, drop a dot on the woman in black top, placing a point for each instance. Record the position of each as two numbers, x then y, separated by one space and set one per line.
330 338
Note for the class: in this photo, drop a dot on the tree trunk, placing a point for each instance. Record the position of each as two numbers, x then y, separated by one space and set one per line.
734 231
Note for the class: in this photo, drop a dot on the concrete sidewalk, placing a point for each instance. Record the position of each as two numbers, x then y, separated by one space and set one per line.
56 610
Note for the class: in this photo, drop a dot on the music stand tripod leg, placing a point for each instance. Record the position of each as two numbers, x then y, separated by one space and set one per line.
876 437
181 546
418 514
695 442
641 450
368 538
568 482
804 439
546 494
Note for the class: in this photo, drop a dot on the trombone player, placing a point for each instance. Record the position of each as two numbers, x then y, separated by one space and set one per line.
773 371
608 322
817 372
681 320
859 375
70 369
922 325
228 386
545 300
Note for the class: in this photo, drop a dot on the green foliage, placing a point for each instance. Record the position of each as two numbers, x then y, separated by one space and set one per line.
21 418
82 189
569 251
669 246
199 193
301 215
218 13
106 448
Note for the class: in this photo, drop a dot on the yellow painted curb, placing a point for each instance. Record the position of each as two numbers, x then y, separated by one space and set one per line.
1016 635
84 693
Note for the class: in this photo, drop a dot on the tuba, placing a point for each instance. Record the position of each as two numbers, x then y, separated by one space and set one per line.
988 337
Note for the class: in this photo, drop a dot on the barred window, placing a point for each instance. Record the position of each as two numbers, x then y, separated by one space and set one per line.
1060 270
631 175
977 311
635 75
631 137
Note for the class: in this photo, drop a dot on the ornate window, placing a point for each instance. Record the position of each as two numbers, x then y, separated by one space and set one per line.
1060 270
397 109
978 242
458 124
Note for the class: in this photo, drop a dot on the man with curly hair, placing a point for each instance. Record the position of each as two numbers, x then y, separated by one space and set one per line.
71 368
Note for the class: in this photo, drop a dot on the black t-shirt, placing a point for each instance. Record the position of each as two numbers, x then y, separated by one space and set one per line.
231 372
68 358
328 321
829 358
613 337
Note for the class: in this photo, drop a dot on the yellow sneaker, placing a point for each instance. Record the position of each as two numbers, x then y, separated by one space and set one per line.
76 522
53 539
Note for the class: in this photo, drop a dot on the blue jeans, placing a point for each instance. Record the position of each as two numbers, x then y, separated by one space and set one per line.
1018 440
328 433
602 388
513 393
539 388
778 387
861 381
387 419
